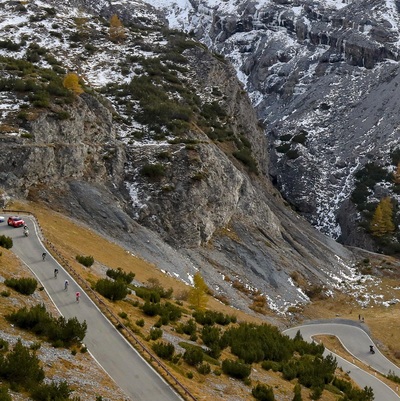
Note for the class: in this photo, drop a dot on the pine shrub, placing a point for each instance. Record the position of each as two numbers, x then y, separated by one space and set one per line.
25 286
263 392
6 242
113 290
164 350
85 260
236 369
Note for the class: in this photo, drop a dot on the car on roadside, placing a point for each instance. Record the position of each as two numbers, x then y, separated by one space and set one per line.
15 221
2 219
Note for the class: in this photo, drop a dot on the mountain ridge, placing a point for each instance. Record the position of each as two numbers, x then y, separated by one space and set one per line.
163 153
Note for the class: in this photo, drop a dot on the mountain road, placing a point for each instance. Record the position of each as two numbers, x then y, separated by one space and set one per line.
111 350
356 341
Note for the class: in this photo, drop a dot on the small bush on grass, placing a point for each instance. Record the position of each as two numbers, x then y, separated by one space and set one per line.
155 333
193 356
4 395
263 393
86 261
164 350
6 242
25 286
204 369
113 290
52 391
119 274
188 328
236 369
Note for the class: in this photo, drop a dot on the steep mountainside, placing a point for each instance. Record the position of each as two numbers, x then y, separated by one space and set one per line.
162 151
323 76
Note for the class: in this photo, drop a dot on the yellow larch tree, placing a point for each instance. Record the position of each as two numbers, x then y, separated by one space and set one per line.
382 220
198 293
117 31
71 82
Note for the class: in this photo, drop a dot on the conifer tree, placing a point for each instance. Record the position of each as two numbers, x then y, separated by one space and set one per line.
396 175
117 30
297 393
71 82
198 294
382 220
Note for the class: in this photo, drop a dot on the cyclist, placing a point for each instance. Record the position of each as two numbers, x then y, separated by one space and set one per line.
77 295
44 255
55 272
66 283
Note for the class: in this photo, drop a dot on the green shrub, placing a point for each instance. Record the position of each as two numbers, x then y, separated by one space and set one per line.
123 315
148 294
53 391
3 345
113 290
188 328
297 393
155 333
236 369
193 356
119 274
140 322
151 309
63 115
211 317
85 260
210 335
4 394
6 242
204 369
153 171
40 322
263 392
245 156
300 138
164 350
283 148
271 365
292 154
25 286
21 368
286 137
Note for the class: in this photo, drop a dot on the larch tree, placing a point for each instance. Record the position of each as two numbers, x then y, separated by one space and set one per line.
198 294
71 82
382 220
117 31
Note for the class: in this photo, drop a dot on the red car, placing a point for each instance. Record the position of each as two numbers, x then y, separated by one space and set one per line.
15 221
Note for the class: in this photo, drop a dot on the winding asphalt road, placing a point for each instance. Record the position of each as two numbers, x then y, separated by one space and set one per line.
117 357
357 342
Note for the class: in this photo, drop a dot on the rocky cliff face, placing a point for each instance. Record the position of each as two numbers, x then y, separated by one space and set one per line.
323 78
190 193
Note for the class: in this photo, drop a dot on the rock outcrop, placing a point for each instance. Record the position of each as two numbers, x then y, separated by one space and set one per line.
323 79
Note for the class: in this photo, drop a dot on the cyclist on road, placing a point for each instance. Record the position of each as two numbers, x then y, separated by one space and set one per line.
44 255
77 295
66 283
55 272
